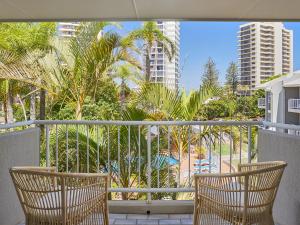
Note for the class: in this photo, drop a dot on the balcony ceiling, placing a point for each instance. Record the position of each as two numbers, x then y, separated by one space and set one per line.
36 10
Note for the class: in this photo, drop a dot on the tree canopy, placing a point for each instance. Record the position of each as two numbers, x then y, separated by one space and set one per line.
210 76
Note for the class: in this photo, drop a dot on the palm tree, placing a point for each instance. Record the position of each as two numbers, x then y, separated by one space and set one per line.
89 58
10 62
107 149
22 47
151 36
165 104
126 72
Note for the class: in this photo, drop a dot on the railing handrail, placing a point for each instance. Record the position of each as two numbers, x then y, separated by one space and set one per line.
169 123
99 122
17 124
281 125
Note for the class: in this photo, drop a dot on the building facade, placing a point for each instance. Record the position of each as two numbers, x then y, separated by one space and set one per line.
282 99
67 29
265 49
162 70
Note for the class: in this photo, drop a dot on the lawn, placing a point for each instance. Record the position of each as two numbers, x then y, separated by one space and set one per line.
225 149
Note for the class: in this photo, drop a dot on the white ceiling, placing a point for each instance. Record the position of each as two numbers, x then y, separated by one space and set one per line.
17 10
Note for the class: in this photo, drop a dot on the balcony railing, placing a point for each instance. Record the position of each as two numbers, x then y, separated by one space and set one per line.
294 105
156 159
146 157
261 103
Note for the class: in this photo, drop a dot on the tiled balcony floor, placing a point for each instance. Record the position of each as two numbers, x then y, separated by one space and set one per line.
152 219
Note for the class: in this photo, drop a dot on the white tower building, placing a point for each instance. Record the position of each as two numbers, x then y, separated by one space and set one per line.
265 49
162 70
67 29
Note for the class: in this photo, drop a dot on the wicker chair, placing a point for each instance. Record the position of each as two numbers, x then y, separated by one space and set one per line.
245 197
51 198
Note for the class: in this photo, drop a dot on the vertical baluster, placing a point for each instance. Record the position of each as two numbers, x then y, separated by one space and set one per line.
87 149
77 149
98 147
129 155
241 143
108 150
158 156
230 150
200 144
179 157
189 154
119 158
169 156
67 147
149 162
139 146
220 146
210 152
249 143
47 146
56 147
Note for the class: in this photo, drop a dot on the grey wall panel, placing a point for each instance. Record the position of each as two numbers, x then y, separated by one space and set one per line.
281 146
19 148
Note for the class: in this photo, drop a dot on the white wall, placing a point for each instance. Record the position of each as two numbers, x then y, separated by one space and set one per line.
274 146
19 148
277 104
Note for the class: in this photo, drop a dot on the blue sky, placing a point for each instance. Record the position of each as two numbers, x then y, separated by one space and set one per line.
200 40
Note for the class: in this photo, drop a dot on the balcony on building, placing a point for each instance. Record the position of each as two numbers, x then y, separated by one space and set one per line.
261 103
294 105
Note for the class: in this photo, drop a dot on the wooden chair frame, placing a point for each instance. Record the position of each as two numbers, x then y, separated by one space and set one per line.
51 198
245 197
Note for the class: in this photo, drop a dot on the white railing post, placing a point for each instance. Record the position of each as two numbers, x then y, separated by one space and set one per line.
149 162
47 147
249 143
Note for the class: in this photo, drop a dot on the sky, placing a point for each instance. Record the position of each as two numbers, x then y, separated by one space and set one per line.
218 40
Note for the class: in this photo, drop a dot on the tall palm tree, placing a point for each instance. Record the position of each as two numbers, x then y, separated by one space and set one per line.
165 104
151 36
21 49
127 73
10 62
89 57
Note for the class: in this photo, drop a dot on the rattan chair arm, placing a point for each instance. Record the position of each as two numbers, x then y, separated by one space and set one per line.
50 171
264 168
35 168
245 167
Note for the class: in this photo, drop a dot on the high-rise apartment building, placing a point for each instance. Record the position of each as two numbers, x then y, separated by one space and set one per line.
67 29
265 49
162 70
